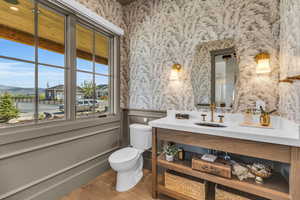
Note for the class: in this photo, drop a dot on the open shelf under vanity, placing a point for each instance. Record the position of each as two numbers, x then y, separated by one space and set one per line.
273 188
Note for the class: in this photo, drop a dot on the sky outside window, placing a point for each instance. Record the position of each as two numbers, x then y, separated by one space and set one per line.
8 68
16 74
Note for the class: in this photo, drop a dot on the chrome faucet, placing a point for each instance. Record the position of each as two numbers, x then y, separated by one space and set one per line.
212 111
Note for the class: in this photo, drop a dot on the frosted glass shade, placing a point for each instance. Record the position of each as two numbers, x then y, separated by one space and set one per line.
263 63
263 66
175 72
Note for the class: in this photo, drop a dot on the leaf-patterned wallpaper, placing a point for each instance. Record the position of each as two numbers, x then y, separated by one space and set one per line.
159 33
290 58
163 32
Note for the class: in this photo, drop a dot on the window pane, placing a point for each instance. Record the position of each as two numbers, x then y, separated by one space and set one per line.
102 54
17 29
51 37
102 69
51 93
84 52
17 92
84 94
102 94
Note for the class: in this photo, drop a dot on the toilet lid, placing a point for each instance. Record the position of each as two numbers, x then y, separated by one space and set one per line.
141 127
123 155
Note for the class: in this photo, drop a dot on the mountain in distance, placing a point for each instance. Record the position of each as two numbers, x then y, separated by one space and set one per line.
18 90
5 87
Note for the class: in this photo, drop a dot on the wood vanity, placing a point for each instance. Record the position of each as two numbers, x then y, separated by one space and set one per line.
275 188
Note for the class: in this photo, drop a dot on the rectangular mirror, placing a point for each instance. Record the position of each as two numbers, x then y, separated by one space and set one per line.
215 73
224 73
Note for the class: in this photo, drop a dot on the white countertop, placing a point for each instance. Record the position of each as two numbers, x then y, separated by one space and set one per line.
284 132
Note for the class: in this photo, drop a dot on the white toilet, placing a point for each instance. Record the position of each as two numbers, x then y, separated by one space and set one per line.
128 162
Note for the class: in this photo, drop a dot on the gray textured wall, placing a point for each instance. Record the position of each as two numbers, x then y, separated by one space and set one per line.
290 58
163 32
53 164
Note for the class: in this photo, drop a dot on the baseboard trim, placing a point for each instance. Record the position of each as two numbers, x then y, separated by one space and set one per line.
58 142
29 185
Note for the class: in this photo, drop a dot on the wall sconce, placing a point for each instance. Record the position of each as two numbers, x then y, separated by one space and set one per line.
263 63
176 68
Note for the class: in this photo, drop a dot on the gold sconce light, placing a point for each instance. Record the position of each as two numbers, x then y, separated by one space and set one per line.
263 63
175 72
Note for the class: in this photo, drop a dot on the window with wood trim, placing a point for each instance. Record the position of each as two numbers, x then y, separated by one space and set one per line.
93 72
36 59
32 66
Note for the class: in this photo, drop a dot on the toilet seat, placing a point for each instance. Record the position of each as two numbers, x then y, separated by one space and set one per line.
124 155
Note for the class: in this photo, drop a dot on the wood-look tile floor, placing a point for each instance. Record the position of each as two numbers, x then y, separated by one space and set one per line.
103 188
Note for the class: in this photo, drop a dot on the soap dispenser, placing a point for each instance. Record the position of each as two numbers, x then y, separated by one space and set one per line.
265 117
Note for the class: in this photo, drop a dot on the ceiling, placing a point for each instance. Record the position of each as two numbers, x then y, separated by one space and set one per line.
18 26
124 2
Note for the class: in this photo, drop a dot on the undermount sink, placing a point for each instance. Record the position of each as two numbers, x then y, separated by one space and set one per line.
211 125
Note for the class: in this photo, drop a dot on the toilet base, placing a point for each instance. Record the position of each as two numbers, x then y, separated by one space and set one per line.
128 179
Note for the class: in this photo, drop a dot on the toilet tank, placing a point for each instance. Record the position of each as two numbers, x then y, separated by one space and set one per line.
140 136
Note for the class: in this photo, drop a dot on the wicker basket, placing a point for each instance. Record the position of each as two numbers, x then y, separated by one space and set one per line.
225 193
185 186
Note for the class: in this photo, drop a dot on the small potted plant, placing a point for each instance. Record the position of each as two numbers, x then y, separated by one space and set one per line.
170 151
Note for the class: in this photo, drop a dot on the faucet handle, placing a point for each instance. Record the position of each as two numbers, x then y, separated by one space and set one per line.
204 117
221 118
212 106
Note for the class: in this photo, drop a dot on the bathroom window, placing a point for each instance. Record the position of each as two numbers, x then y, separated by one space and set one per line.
32 66
93 75
53 65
